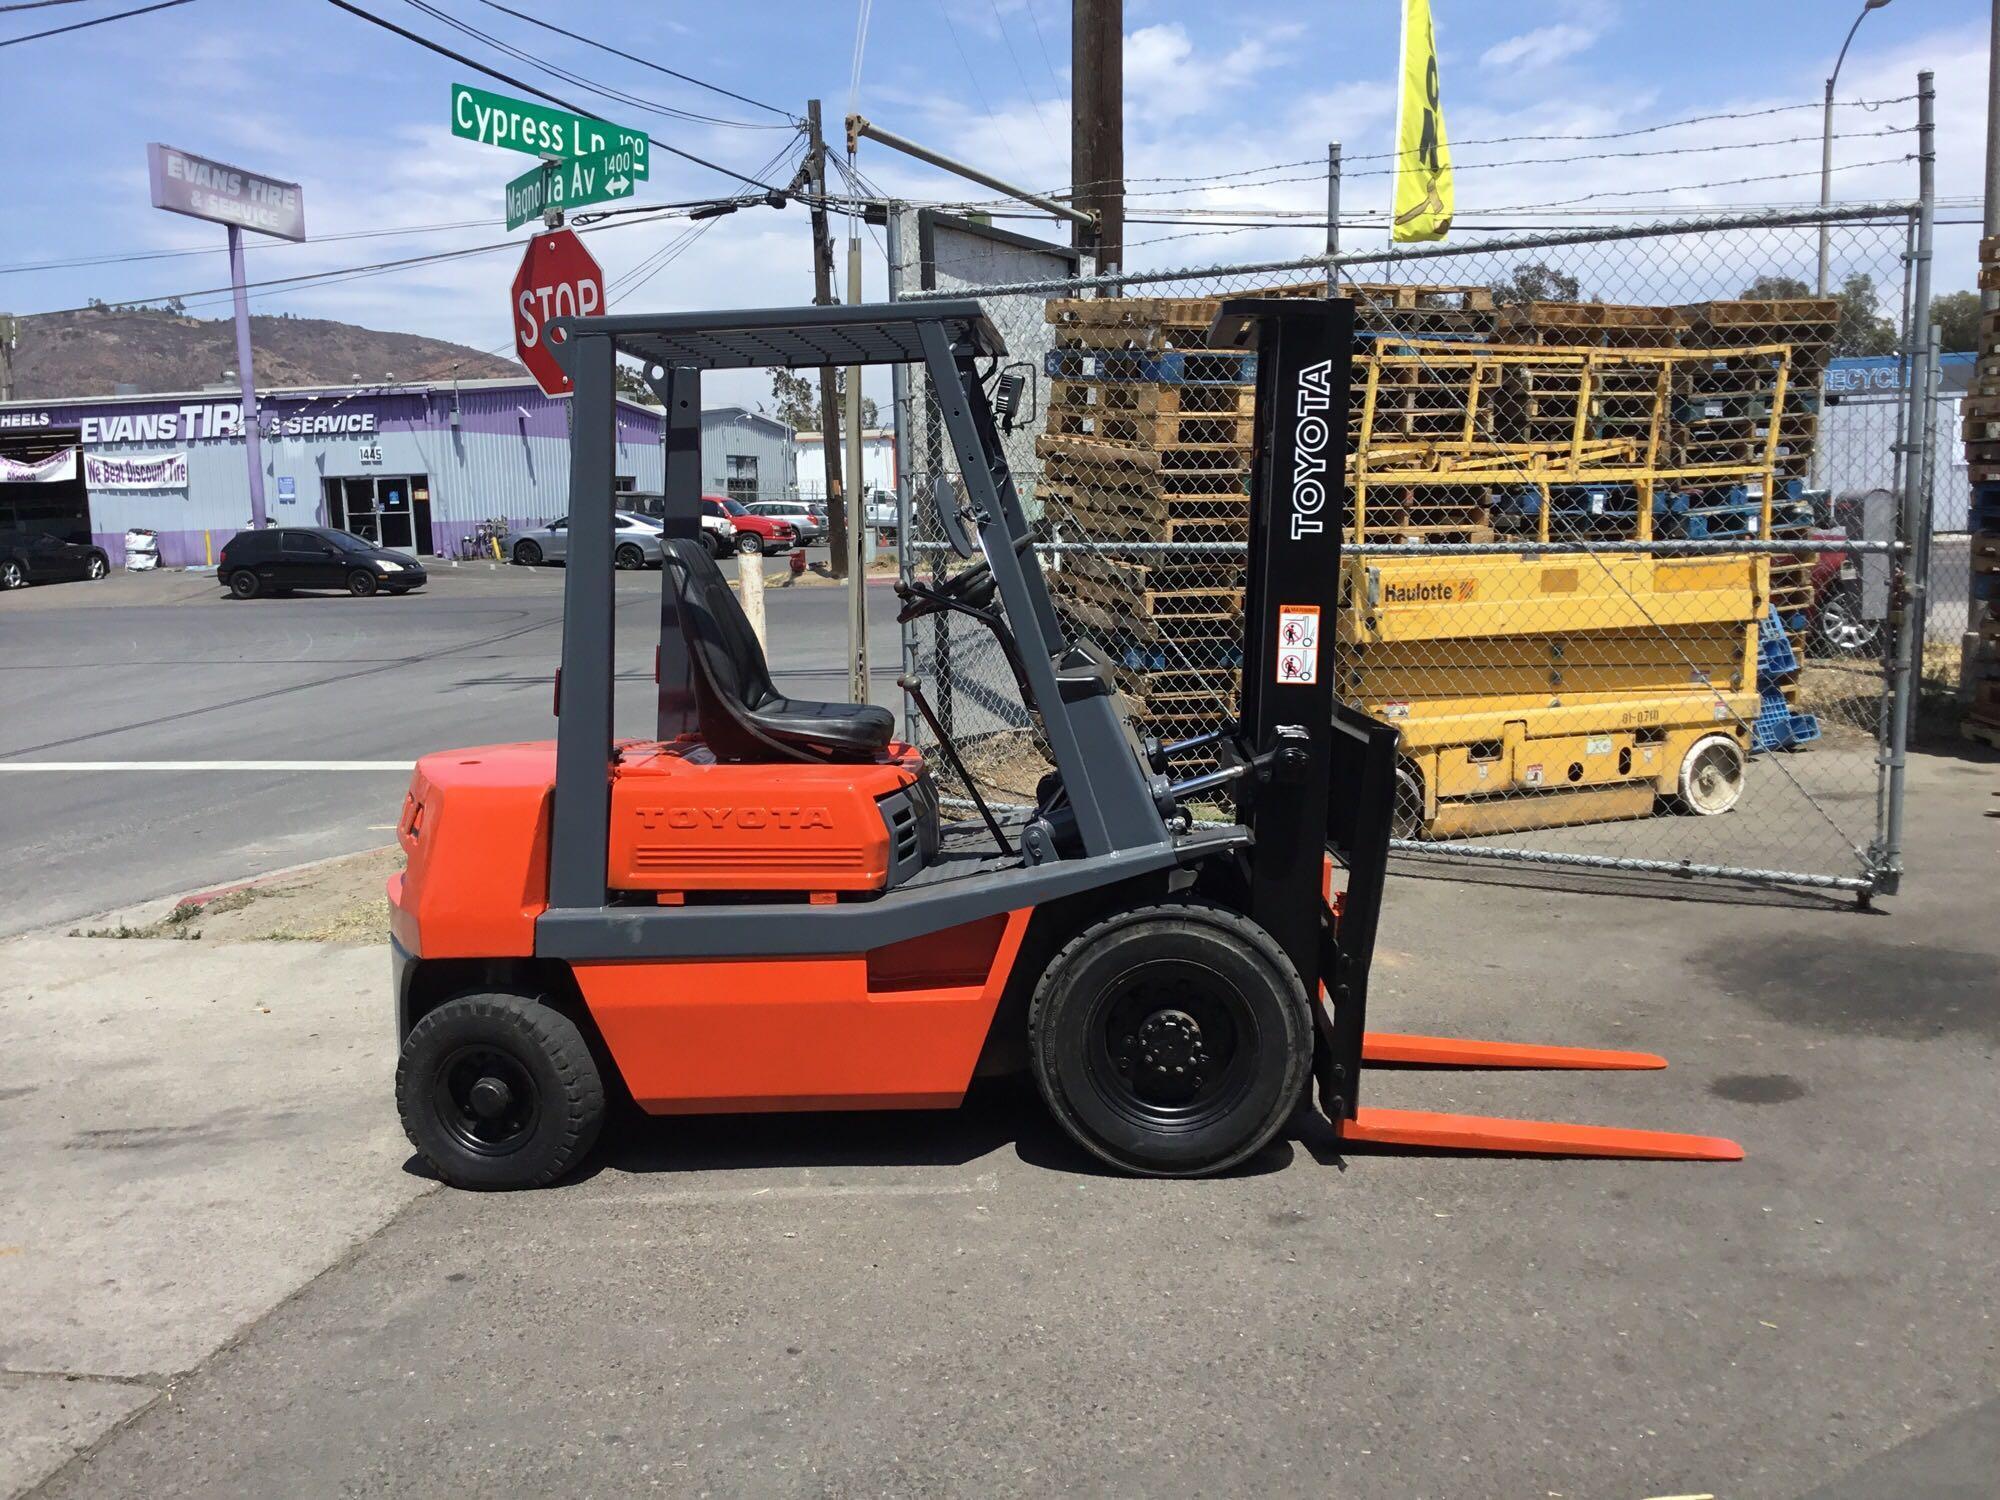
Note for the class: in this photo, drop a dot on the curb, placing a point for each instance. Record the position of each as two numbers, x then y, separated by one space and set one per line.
156 908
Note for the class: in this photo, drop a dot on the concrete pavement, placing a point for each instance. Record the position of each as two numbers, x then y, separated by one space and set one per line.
959 1303
193 1132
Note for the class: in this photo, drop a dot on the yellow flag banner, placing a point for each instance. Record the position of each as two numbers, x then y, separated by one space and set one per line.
1423 160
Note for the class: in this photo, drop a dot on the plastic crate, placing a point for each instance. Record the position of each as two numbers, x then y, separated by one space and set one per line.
1775 656
1778 727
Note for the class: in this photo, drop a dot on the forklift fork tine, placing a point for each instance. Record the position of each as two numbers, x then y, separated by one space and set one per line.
1485 1133
1458 1052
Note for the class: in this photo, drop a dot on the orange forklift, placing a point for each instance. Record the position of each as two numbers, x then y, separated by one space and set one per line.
761 908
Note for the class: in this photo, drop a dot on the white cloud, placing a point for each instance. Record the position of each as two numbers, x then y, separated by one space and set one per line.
1543 47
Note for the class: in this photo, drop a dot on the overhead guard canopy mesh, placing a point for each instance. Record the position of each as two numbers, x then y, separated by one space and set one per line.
792 337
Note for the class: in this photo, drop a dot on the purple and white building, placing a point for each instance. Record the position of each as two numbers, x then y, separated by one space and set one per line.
417 467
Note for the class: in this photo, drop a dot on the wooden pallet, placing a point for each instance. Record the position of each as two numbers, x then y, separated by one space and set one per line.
1134 398
1157 430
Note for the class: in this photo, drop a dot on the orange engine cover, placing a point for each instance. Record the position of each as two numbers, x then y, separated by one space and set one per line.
680 821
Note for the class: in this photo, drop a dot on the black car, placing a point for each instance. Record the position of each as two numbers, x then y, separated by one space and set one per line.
28 556
313 557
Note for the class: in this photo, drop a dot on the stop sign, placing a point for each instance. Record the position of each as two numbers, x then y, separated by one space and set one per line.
557 279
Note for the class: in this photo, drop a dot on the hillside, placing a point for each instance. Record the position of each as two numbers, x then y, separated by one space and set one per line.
90 353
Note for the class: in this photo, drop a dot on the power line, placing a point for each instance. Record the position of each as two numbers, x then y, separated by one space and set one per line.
643 62
34 5
341 273
35 36
567 75
972 74
526 88
1047 61
1020 72
179 252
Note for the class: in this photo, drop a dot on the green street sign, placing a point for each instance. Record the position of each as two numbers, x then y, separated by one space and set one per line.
495 120
597 178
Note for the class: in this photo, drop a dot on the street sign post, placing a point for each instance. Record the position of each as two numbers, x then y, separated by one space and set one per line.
517 125
597 178
558 279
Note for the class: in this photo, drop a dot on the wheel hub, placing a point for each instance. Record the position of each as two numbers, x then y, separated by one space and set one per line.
491 1098
1169 1053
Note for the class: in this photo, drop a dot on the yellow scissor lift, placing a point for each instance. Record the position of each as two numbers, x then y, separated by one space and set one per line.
1537 690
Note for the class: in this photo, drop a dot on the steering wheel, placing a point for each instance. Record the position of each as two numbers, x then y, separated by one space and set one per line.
973 587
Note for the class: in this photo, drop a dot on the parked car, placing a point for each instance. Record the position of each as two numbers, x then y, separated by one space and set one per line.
808 520
29 556
882 512
748 533
637 544
278 561
1840 625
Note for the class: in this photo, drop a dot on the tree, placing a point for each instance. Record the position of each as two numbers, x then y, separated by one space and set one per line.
797 396
627 381
1862 329
1957 317
1536 281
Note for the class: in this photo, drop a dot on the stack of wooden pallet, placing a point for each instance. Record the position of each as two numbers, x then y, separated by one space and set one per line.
1148 440
1982 455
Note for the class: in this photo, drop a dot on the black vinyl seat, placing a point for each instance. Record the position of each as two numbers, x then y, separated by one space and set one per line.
742 716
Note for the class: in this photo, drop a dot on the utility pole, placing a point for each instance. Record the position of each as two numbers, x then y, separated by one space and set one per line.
10 336
829 404
1990 298
1333 199
857 488
1097 125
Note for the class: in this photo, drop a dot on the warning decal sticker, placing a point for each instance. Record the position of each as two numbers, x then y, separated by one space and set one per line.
1298 644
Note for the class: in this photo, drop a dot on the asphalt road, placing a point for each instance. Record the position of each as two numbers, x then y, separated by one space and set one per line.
162 667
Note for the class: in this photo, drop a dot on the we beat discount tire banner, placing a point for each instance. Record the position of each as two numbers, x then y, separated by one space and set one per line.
558 279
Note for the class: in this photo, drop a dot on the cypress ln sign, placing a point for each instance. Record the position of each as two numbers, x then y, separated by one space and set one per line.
517 125
597 178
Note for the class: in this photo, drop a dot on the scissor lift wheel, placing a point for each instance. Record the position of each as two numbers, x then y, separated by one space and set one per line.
1171 1040
1711 779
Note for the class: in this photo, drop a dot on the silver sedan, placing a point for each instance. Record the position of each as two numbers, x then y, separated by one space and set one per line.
636 545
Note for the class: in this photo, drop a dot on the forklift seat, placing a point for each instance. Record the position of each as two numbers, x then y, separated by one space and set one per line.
742 717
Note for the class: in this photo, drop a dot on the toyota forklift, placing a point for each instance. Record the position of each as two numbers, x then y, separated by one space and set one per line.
761 908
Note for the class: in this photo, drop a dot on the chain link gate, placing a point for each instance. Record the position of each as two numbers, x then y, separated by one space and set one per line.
1620 564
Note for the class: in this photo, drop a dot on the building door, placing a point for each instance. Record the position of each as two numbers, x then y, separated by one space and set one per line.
350 507
392 513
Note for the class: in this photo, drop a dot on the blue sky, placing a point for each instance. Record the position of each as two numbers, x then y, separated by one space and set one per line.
296 88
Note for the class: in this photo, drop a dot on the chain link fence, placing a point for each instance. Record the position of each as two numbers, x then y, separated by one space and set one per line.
1621 563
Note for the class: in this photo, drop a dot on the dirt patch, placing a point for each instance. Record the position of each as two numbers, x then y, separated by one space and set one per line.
340 901
1006 765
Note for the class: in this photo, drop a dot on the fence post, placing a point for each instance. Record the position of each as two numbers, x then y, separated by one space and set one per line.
1902 707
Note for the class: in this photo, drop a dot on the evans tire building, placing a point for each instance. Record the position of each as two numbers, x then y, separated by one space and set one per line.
416 467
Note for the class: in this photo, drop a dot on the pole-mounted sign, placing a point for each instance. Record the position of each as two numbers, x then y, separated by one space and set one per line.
558 279
184 183
495 120
597 178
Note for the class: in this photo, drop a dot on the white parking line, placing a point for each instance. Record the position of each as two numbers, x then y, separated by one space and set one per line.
206 765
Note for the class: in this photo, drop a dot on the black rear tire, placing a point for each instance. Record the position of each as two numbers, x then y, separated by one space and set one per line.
527 554
499 1092
362 584
243 584
709 544
628 558
1171 1040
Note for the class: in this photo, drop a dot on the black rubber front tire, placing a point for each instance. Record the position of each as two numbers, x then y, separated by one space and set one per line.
243 584
97 568
628 557
527 554
749 542
540 1122
1171 1040
362 584
12 575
